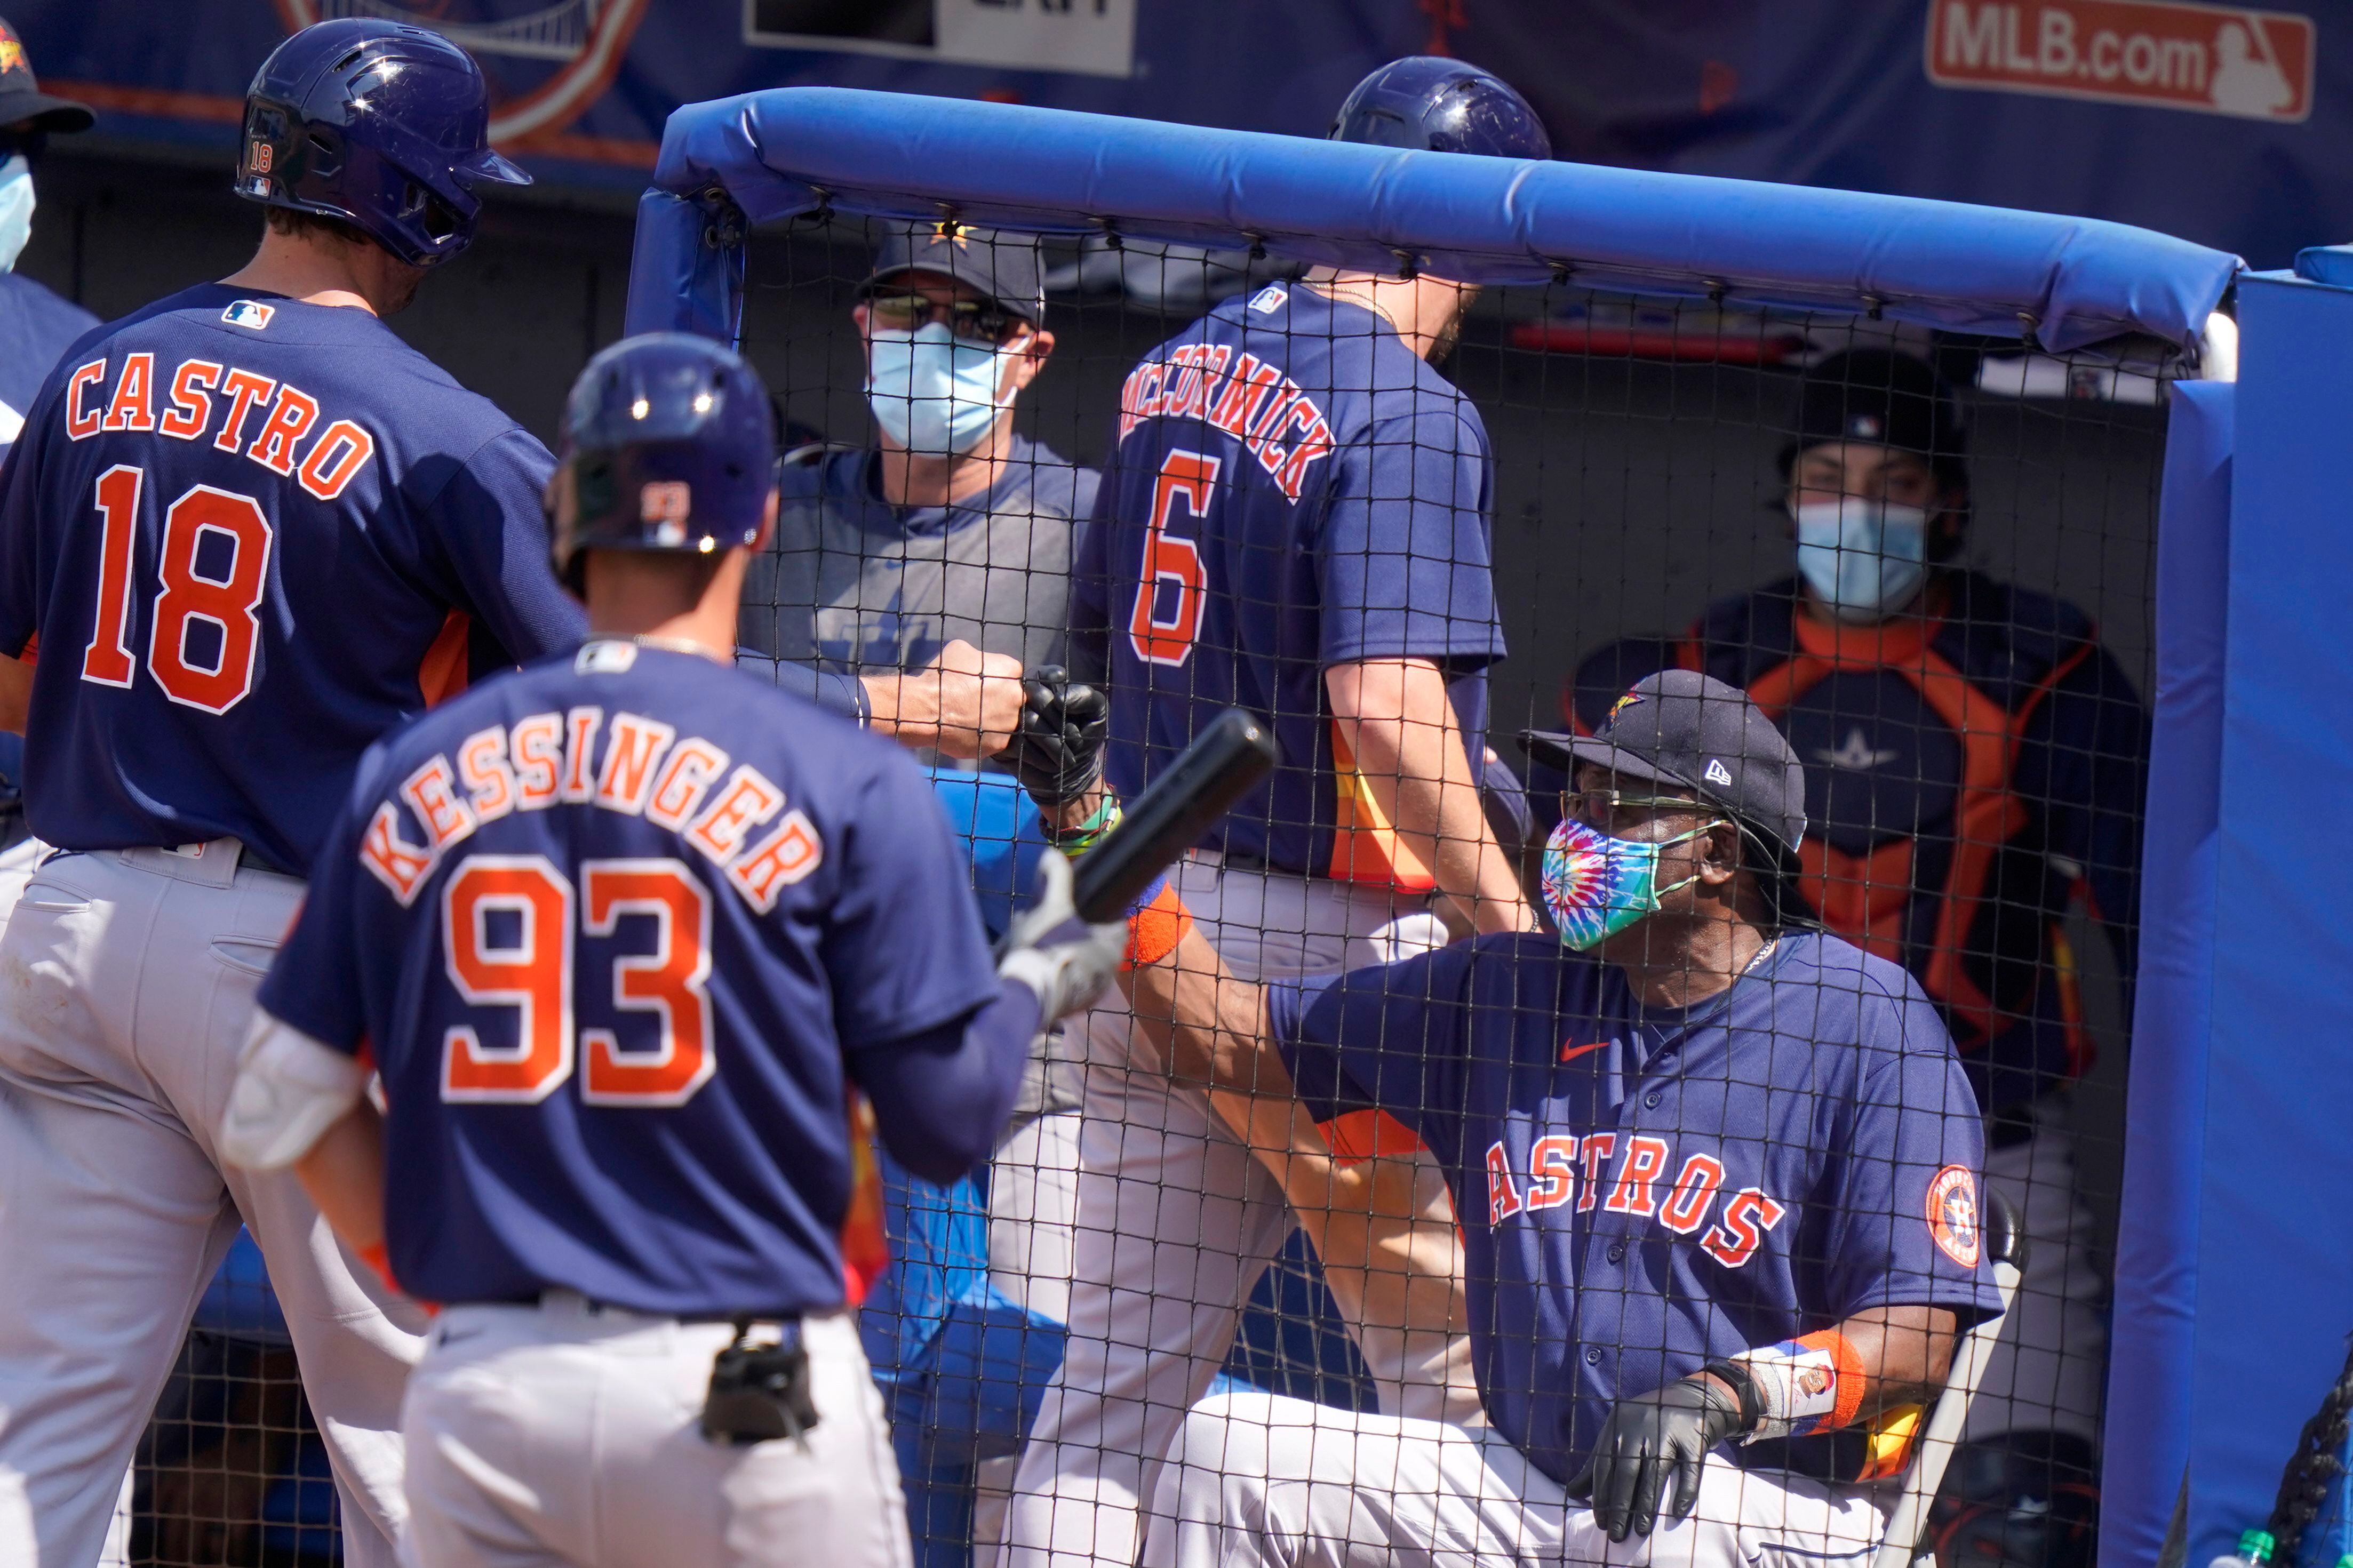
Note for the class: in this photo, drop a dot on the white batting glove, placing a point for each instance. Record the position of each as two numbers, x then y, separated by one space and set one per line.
1061 957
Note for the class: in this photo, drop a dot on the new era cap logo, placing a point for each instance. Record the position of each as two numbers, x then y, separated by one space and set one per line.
1717 774
250 315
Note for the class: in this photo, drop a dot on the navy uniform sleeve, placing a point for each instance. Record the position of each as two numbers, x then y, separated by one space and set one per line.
1404 559
1387 1038
315 983
20 536
1907 1187
492 535
903 949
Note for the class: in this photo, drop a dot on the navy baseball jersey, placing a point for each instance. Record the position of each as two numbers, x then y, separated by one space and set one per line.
251 535
1294 489
1641 1190
36 327
618 928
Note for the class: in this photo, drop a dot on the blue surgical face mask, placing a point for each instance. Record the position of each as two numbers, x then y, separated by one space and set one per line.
931 391
1596 886
16 210
1863 559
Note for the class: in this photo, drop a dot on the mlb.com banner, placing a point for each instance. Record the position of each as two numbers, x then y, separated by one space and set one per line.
2224 124
2256 65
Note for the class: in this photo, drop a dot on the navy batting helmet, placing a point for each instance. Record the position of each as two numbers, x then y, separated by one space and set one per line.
382 126
668 445
1443 106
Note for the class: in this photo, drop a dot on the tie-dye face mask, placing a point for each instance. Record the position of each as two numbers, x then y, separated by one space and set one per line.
1596 886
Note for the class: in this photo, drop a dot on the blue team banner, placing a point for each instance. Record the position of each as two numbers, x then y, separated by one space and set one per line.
2222 124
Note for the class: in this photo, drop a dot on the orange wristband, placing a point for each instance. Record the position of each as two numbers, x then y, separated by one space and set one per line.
1153 930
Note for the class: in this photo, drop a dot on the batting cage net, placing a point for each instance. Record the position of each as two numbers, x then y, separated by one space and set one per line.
1924 556
1712 738
1674 979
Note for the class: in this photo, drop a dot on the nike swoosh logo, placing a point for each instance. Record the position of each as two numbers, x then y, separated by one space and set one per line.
1570 1053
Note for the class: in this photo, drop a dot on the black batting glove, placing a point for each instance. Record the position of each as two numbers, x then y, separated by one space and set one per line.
1649 1439
1057 751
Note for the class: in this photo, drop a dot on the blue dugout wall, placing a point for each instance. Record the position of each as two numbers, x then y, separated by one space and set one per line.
2234 1285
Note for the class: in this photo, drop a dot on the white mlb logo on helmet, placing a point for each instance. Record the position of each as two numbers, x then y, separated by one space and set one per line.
666 503
1717 774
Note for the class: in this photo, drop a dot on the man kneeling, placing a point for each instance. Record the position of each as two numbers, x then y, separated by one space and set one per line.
1727 1172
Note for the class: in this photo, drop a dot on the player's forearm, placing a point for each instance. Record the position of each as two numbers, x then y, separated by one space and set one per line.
1209 1025
343 1174
1906 1353
1399 721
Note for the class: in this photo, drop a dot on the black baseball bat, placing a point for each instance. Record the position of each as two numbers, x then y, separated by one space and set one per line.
1169 817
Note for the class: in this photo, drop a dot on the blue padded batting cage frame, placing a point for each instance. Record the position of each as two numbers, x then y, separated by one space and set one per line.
2234 1287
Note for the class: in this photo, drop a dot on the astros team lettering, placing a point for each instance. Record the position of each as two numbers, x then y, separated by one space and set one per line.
1258 406
646 772
1562 1167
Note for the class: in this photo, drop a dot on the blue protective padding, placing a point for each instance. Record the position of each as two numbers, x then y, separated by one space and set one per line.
998 824
985 1376
2157 1230
2325 264
939 1256
2275 1274
1490 220
679 282
240 1304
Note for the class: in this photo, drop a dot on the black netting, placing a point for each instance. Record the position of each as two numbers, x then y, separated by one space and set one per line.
1958 657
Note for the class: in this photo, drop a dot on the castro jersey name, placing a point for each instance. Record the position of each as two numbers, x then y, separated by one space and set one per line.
201 396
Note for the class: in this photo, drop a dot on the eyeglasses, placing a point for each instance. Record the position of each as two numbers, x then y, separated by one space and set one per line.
1599 807
974 321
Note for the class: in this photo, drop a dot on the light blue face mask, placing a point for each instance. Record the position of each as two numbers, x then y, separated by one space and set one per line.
1863 559
16 210
932 392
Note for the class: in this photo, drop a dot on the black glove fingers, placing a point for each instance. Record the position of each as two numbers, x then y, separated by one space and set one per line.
1686 1469
1650 1480
1620 1483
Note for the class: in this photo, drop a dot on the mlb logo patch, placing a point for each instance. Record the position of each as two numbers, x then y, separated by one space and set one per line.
610 657
1269 298
250 315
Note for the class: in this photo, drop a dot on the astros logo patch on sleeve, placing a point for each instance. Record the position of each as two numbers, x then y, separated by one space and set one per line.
1953 1213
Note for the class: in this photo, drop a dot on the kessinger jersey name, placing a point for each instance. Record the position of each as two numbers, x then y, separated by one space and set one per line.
1644 1189
618 928
247 536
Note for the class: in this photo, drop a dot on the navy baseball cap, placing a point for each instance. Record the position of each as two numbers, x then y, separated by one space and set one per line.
1001 266
1679 727
21 100
1886 397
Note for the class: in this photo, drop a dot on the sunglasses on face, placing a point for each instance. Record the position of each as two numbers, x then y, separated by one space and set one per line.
1606 808
974 321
